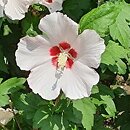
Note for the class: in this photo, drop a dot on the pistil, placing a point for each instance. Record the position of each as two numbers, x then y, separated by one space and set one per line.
63 56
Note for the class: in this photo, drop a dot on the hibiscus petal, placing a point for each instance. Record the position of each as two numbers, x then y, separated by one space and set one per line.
56 5
16 9
42 81
77 82
1 11
5 115
1 8
90 47
59 28
31 52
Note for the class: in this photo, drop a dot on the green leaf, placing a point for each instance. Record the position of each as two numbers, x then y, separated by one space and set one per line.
48 117
75 9
105 90
4 100
38 7
110 18
1 80
99 123
11 85
120 30
6 30
95 90
99 18
72 114
88 109
43 119
113 55
122 103
109 106
1 20
30 25
121 67
123 121
28 103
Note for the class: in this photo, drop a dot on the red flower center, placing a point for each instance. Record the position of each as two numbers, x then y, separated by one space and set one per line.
63 55
49 1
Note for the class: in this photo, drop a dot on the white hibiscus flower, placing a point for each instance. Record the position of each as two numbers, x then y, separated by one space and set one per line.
16 9
61 59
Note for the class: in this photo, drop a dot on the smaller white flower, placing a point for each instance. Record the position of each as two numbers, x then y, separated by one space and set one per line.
52 5
5 115
16 9
61 59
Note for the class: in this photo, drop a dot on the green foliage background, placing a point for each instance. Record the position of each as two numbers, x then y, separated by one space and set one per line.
108 107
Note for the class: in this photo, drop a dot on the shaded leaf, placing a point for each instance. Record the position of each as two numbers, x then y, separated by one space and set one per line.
75 9
1 20
3 66
30 25
28 103
43 119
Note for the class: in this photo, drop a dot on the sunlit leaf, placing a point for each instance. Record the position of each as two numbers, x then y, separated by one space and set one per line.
11 85
111 17
113 55
88 109
110 106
